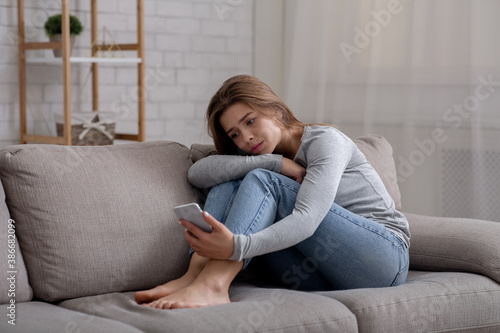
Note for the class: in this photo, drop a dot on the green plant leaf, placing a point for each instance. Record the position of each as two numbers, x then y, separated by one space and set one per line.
53 25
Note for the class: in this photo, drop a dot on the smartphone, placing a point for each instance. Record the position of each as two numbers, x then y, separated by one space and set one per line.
192 212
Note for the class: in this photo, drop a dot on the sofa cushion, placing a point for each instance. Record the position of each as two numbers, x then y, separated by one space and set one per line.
252 309
455 244
13 272
93 220
376 148
428 302
378 152
43 317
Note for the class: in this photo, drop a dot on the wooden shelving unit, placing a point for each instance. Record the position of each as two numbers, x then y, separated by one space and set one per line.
66 62
58 61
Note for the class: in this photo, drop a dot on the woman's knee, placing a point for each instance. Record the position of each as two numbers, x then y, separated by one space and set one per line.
222 194
225 189
259 174
272 182
258 179
220 198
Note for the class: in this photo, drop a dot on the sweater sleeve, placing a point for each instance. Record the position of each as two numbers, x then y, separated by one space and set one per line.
326 156
218 169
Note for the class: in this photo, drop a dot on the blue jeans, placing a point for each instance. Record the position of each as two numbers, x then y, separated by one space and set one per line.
346 251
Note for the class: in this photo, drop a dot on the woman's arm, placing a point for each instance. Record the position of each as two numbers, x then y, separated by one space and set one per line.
218 169
293 170
327 156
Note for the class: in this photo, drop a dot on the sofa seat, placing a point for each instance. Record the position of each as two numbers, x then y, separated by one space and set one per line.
252 309
427 302
42 317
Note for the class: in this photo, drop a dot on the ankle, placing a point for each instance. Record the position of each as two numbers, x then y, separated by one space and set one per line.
218 275
197 263
215 285
195 267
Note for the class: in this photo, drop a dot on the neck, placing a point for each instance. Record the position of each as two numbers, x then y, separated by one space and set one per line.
290 142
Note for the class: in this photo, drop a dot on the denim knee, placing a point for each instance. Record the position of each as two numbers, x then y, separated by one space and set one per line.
219 199
224 188
259 175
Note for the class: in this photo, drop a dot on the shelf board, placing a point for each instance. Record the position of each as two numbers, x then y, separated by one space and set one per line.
58 61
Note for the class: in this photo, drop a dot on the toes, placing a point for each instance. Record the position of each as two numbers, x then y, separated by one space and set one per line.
179 305
143 296
139 299
147 296
149 305
160 304
182 305
165 305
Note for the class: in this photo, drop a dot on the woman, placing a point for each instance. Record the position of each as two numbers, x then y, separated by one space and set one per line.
303 198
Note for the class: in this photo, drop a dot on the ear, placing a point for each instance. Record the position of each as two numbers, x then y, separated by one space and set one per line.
279 114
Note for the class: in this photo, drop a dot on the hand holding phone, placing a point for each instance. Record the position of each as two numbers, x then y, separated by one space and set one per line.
192 212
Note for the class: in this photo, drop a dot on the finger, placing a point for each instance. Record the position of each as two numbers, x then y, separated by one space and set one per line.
190 237
196 244
200 254
192 240
211 220
195 231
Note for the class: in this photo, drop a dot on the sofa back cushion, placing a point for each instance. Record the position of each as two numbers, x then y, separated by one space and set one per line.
94 220
378 152
376 148
13 278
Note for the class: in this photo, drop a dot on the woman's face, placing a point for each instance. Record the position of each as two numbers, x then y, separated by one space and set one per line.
252 132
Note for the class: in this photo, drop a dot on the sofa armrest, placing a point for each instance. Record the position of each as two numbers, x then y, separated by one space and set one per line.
455 244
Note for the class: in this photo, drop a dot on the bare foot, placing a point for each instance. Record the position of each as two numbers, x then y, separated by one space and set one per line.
196 265
147 296
193 296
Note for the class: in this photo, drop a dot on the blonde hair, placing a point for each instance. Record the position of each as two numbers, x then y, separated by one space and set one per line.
253 92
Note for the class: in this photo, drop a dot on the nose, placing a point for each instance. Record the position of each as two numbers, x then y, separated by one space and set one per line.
247 136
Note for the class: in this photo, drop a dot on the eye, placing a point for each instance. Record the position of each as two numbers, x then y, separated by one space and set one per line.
234 135
250 121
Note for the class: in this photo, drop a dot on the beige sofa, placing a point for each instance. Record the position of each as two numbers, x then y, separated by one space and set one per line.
84 227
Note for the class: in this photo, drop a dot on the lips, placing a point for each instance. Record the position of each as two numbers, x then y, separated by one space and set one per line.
257 147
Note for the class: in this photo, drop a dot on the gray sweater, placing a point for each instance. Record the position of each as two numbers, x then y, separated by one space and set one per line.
336 170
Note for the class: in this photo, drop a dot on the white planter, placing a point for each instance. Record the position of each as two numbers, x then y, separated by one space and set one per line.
58 38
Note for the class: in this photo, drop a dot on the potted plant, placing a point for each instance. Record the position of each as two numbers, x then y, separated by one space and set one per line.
53 29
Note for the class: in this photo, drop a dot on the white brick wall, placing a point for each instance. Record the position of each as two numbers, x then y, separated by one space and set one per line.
191 46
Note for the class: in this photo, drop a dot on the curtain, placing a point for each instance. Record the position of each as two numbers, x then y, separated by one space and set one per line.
425 74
